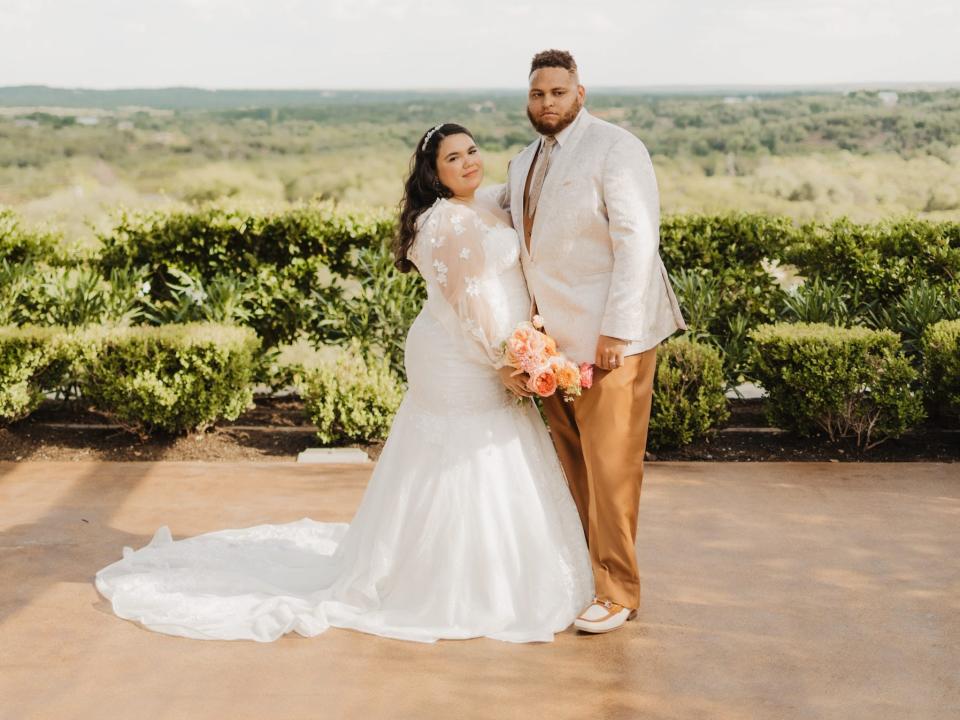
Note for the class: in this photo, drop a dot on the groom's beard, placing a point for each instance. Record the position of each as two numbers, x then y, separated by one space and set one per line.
555 127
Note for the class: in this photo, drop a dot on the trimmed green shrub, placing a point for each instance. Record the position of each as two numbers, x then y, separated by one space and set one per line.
719 268
845 382
941 368
688 393
730 250
352 399
173 378
279 259
32 361
885 259
17 244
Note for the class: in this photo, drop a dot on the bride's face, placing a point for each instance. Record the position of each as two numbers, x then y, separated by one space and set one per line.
459 164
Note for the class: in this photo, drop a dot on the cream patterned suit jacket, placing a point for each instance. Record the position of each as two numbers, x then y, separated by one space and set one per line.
594 266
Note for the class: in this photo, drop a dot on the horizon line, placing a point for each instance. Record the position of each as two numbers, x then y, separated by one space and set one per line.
867 84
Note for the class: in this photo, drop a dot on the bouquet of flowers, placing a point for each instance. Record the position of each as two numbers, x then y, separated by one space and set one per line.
532 351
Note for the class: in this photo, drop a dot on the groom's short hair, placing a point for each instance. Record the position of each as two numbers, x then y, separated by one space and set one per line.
553 58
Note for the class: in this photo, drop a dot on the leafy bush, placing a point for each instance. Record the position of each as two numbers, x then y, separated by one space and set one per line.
818 301
885 259
846 382
688 396
38 294
733 250
352 399
941 368
719 270
222 299
920 306
173 378
376 314
18 245
32 360
280 258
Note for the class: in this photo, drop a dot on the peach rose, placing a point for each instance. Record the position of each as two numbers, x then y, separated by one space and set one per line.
543 383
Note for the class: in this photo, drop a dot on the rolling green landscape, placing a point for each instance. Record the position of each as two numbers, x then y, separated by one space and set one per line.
72 158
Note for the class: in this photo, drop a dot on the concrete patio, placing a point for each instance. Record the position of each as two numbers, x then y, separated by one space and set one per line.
807 590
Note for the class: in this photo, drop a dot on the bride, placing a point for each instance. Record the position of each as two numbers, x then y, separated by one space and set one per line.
466 528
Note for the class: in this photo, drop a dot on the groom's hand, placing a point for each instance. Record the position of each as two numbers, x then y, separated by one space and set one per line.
610 352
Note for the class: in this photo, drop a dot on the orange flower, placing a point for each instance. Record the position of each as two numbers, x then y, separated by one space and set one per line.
568 376
543 383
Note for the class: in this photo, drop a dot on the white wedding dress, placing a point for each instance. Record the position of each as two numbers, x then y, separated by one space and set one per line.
466 528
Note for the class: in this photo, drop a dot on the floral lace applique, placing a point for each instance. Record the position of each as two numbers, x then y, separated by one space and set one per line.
441 269
461 253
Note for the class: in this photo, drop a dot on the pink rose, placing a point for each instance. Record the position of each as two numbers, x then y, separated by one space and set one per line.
586 375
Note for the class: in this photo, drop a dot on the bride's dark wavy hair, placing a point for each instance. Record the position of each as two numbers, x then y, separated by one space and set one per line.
421 190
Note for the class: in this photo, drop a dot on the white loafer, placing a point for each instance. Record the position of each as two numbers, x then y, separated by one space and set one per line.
603 616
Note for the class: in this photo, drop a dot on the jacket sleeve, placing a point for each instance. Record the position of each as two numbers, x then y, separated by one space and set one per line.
449 252
633 208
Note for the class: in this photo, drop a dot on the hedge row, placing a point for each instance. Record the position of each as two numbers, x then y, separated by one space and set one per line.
319 271
171 379
842 382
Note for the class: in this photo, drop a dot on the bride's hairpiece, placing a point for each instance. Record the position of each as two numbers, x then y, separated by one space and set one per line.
430 133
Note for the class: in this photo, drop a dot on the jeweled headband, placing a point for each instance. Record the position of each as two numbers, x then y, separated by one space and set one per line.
430 133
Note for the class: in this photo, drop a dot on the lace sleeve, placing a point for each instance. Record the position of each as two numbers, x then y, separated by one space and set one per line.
449 252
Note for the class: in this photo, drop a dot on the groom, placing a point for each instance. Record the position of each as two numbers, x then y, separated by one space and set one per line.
586 197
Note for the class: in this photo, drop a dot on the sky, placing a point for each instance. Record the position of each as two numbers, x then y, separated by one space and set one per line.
386 44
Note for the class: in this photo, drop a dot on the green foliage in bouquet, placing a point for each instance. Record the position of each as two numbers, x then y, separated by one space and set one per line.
844 382
688 393
32 361
352 399
172 378
941 368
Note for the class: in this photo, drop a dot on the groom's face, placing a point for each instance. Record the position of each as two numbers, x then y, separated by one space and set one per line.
554 99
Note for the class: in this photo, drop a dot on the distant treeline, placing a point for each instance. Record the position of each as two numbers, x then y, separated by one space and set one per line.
264 123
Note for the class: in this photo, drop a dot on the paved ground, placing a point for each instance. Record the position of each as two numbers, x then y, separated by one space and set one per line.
770 591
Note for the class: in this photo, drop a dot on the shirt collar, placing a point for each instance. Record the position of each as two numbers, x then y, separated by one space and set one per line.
562 136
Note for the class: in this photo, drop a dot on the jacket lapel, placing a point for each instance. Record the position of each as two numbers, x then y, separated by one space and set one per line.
556 175
521 167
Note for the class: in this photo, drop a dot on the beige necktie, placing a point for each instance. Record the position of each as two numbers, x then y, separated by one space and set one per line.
543 164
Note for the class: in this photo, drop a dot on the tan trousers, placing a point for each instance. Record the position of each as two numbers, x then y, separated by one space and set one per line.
601 438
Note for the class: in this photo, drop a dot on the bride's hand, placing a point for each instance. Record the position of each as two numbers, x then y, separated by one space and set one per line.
515 381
